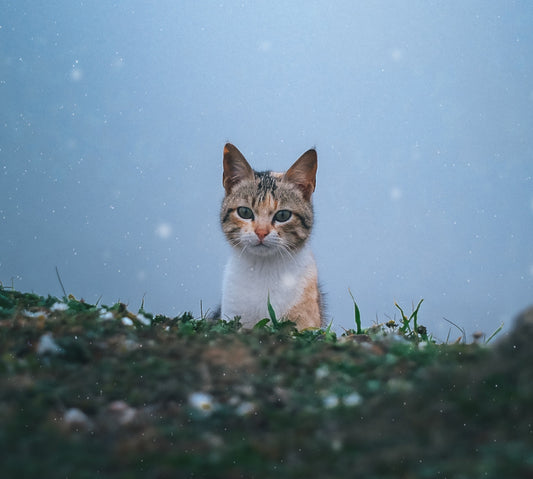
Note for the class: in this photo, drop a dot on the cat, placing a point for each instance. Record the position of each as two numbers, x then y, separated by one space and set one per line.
267 218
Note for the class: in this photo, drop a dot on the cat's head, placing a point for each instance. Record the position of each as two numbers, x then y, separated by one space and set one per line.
267 213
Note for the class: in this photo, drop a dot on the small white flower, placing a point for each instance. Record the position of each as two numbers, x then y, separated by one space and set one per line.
130 344
353 399
127 321
75 419
336 444
202 402
245 408
124 413
399 338
399 385
105 315
59 307
322 372
35 314
143 319
47 345
330 401
75 416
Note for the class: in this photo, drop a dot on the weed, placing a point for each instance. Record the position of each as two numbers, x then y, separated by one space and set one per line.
278 325
412 330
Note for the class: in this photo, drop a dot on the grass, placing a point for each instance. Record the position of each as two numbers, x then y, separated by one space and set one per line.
99 391
357 315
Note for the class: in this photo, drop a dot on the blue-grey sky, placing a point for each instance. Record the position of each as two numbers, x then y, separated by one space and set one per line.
114 115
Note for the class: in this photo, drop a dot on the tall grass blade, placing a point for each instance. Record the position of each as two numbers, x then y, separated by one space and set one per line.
414 316
405 320
494 333
463 337
271 312
357 315
61 283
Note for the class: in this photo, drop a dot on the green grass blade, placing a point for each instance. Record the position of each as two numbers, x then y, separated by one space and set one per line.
494 333
271 312
405 327
261 324
357 314
328 329
414 316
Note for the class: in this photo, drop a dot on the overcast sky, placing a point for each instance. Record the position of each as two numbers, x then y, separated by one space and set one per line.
114 115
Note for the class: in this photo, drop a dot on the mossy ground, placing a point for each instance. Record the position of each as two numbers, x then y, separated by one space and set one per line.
89 391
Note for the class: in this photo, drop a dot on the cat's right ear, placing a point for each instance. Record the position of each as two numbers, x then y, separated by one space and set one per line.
236 168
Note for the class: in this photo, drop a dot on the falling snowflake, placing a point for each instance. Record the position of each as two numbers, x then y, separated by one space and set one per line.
163 230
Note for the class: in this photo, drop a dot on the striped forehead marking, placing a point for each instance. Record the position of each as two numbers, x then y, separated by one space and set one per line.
266 184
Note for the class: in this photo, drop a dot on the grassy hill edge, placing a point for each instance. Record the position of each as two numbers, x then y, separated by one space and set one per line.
96 391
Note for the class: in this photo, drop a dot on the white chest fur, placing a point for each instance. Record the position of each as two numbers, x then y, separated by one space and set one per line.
249 280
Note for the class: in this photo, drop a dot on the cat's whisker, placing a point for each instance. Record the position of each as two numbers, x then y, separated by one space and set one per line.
240 243
288 252
283 249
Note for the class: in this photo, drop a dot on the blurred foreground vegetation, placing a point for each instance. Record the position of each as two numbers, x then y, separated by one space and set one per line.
95 391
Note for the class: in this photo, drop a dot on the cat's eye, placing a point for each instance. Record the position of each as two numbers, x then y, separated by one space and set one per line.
282 215
245 213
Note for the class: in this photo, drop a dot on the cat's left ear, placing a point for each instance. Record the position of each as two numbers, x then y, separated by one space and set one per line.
303 173
236 168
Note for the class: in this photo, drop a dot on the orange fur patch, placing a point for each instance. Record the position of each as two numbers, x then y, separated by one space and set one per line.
307 312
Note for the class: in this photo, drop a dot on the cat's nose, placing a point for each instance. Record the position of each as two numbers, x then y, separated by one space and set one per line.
261 232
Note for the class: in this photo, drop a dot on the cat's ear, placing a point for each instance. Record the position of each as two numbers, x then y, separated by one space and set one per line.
236 168
303 173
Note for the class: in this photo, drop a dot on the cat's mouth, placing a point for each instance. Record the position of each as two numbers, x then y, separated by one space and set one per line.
262 249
